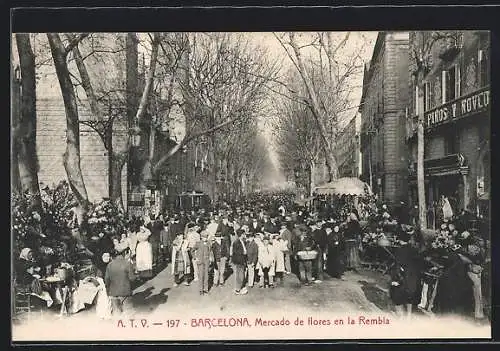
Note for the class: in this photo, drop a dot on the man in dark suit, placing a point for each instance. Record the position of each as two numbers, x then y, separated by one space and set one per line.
320 238
118 278
238 256
255 226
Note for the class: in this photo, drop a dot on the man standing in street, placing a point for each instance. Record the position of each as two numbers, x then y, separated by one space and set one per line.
238 256
253 255
286 235
304 245
203 257
320 238
193 237
118 276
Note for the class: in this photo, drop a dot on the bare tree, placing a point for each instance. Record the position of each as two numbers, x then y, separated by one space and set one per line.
108 101
223 84
326 81
71 157
421 54
24 132
298 145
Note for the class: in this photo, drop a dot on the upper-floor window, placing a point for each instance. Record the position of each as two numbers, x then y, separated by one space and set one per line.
427 96
451 143
450 84
483 68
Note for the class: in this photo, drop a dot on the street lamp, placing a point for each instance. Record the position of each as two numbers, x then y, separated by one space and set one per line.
135 136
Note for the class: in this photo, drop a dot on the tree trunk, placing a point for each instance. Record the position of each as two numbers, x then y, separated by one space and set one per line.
115 178
26 157
331 163
311 178
422 206
15 116
71 157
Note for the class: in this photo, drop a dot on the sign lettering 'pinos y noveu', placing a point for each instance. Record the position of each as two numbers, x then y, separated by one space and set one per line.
467 105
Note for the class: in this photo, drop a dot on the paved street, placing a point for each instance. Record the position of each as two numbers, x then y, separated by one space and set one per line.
358 294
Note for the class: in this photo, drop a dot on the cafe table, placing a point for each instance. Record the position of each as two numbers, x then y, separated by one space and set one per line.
60 285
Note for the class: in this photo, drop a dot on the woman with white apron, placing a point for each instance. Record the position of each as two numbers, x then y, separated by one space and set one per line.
144 254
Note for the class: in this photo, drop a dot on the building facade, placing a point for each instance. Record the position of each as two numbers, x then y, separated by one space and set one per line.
456 106
383 119
348 149
117 71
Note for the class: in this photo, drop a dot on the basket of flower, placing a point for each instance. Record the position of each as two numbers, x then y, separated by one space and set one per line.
307 255
26 222
58 203
383 241
443 243
370 239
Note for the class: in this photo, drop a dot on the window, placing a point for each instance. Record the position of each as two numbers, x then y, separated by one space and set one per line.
483 68
427 96
451 84
451 143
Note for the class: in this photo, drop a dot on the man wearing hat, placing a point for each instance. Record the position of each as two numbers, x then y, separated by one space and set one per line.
203 256
252 257
193 237
118 277
238 255
286 235
320 238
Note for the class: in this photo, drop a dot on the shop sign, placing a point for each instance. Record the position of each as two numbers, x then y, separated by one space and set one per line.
465 106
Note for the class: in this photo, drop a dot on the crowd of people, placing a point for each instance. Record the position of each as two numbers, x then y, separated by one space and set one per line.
259 241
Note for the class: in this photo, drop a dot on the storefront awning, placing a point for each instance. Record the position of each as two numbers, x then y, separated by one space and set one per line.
443 166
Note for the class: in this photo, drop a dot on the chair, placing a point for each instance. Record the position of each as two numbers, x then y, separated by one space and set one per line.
22 301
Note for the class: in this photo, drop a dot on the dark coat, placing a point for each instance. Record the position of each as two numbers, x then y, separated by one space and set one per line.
252 252
406 272
304 243
256 229
216 249
353 230
225 247
239 256
320 238
334 260
174 229
119 274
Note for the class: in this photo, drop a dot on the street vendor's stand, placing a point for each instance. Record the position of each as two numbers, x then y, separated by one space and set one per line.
307 202
345 186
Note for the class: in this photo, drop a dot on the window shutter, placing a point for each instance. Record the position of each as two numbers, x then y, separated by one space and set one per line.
443 87
457 81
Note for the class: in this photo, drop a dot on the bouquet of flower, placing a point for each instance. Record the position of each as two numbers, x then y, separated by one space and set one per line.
106 217
371 238
25 221
57 204
443 242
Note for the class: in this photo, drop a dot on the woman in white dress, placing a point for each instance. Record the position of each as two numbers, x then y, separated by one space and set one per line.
144 254
279 257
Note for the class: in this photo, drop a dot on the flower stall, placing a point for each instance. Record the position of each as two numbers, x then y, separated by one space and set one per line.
105 217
